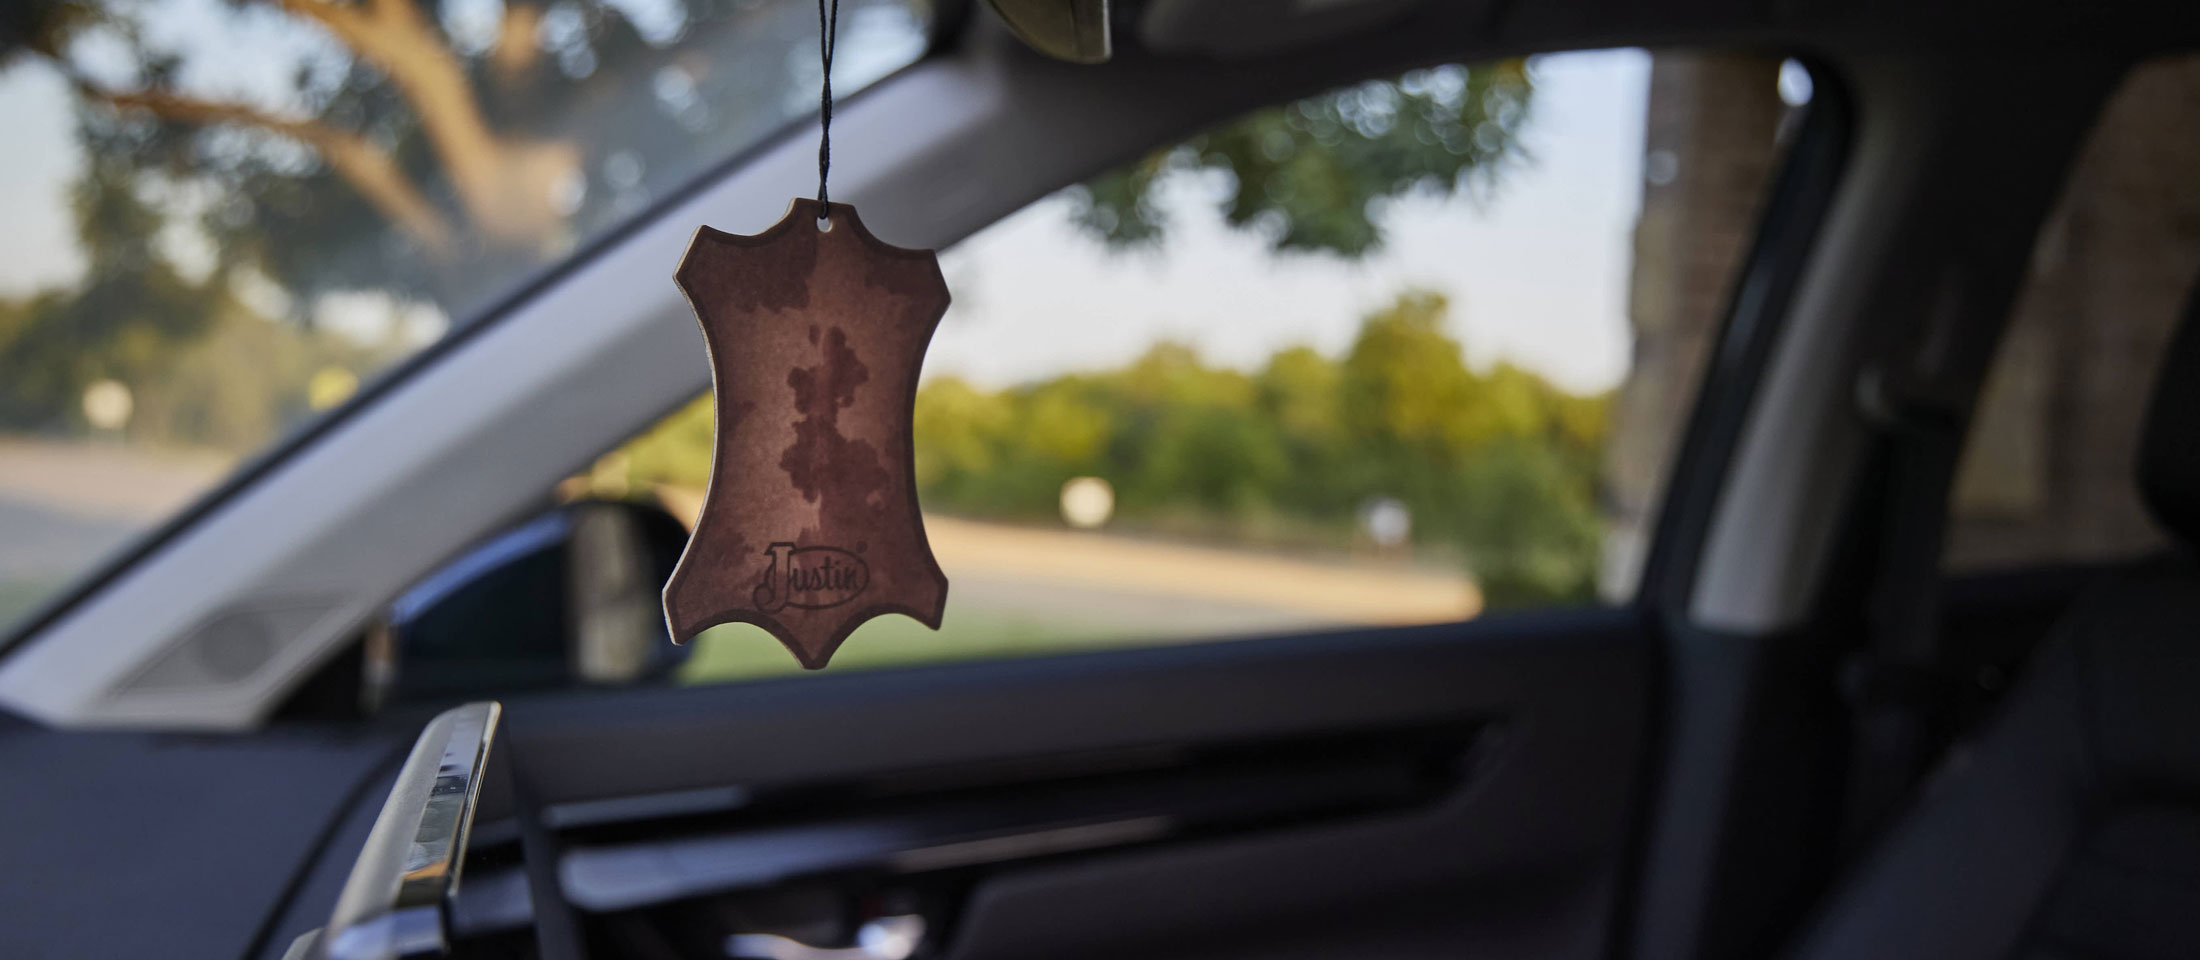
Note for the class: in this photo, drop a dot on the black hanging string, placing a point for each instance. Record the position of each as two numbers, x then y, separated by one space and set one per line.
828 27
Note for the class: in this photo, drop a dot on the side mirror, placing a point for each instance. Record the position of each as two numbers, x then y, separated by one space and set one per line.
567 599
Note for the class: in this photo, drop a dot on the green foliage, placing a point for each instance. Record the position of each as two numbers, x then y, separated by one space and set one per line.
240 382
1309 173
230 385
133 308
202 368
1499 467
677 450
1525 513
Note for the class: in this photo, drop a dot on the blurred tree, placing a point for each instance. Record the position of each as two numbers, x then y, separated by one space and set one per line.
1195 438
455 144
1308 174
1528 521
203 367
133 306
958 429
240 381
1501 464
1406 388
428 149
677 451
1299 390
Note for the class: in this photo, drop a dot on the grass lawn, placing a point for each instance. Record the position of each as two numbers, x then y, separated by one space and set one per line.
738 651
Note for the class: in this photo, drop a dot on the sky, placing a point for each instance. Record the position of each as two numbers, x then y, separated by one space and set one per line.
1536 275
38 247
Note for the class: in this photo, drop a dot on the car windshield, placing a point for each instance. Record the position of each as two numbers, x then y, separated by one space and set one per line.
223 216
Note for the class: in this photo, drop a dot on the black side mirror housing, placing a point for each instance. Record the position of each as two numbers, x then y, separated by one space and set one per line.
567 599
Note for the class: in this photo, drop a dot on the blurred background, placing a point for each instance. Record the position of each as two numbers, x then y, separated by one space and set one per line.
1407 351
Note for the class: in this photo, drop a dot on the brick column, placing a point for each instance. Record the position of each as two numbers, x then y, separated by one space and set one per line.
1708 150
2047 472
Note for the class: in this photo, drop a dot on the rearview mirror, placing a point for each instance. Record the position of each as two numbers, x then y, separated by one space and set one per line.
1072 30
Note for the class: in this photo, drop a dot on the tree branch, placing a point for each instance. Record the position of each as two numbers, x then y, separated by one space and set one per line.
362 164
516 52
495 180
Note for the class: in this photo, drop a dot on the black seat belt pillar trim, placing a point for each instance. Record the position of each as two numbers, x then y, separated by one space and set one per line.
1899 693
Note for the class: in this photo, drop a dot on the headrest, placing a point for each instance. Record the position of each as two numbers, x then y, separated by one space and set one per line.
2169 449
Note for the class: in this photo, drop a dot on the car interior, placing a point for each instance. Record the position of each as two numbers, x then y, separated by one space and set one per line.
1813 731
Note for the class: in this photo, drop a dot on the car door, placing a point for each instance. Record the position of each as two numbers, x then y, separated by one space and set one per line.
1382 790
1372 790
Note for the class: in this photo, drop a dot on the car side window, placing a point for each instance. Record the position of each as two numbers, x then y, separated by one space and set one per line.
1409 351
2047 471
219 221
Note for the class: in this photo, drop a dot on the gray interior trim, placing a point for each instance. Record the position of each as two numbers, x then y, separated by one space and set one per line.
1801 439
1952 161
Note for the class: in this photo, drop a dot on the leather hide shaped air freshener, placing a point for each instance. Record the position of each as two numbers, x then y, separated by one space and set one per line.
810 526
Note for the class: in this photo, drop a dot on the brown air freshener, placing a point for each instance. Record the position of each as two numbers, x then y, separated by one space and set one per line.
810 526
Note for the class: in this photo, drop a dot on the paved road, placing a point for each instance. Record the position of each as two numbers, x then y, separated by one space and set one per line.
1141 588
42 548
38 541
104 479
1187 588
64 506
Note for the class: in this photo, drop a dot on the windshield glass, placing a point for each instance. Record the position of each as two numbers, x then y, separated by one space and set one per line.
223 216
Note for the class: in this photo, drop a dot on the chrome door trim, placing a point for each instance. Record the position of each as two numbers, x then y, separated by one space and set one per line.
396 901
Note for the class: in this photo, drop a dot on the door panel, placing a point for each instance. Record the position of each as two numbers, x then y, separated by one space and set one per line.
1261 765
